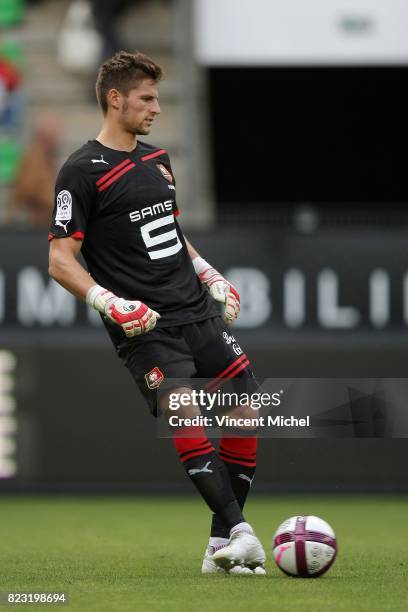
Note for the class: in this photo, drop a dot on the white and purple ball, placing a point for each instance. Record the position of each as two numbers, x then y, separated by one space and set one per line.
304 546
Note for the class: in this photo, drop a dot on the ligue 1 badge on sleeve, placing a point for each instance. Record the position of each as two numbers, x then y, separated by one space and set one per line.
154 378
167 175
64 209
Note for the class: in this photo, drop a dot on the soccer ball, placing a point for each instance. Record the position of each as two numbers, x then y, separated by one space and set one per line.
304 546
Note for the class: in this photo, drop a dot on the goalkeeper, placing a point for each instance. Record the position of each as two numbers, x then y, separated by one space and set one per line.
116 204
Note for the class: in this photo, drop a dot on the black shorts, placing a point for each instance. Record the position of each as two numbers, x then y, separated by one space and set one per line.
203 350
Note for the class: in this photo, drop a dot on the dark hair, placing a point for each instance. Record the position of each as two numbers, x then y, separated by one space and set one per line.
123 72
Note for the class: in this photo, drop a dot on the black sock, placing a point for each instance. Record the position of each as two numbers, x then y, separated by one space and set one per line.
239 457
211 478
241 487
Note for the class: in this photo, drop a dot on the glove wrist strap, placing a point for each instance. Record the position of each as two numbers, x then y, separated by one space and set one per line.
98 298
205 272
200 265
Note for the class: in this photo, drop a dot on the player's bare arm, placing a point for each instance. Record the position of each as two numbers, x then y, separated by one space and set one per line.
219 288
133 316
191 250
65 268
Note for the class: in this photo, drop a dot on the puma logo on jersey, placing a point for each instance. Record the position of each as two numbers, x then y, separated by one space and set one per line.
100 161
60 223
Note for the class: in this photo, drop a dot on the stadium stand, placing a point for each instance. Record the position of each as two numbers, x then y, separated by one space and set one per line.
69 96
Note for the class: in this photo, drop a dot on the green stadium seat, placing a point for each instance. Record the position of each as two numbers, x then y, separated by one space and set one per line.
11 12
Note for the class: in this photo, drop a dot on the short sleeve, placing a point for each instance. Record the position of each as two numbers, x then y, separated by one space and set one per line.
74 195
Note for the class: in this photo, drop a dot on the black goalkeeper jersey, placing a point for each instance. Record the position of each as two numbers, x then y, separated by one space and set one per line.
122 205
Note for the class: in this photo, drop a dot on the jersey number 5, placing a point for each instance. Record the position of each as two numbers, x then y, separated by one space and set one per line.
151 241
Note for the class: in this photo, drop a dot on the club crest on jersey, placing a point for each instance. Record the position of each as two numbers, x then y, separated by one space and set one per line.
154 378
165 172
64 209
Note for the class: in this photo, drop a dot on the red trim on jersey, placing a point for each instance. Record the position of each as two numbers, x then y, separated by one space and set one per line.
155 154
113 171
176 214
78 235
116 176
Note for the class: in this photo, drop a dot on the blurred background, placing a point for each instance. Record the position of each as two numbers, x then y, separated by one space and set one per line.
286 126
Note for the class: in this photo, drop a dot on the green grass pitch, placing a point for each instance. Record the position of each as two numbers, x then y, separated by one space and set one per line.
139 553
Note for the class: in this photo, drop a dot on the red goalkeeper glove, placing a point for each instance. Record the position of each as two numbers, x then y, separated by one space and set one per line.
219 288
134 317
